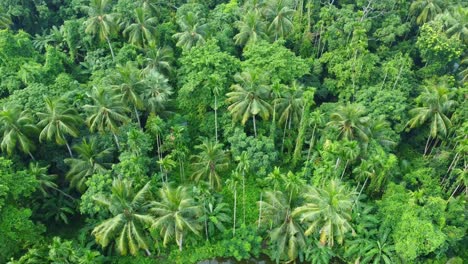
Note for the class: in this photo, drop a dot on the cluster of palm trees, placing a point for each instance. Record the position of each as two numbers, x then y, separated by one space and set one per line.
294 210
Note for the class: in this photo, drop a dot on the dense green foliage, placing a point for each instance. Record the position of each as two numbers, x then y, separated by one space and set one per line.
147 131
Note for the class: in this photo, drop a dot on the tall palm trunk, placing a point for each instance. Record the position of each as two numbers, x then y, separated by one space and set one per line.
243 193
359 195
69 149
254 125
311 143
116 140
216 118
235 211
110 47
260 210
137 115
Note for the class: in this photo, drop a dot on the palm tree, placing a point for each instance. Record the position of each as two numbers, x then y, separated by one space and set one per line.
90 160
129 86
350 122
243 166
101 23
248 98
456 23
436 106
209 162
176 214
286 234
376 250
232 185
106 113
193 33
143 30
45 180
5 19
215 216
130 218
426 10
290 105
281 18
328 211
251 29
158 59
58 121
17 128
157 91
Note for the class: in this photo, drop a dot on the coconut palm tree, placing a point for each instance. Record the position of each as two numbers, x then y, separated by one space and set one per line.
176 214
436 106
327 210
379 249
107 112
232 184
290 105
280 15
57 122
350 122
426 10
248 98
193 33
90 160
17 128
209 162
101 23
130 218
251 29
456 23
128 85
45 180
286 234
156 91
143 31
158 59
216 215
5 19
243 166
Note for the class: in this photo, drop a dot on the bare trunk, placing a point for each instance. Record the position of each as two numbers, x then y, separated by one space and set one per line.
31 155
427 145
235 211
346 165
116 141
137 116
364 185
311 143
260 210
254 125
243 193
110 47
69 149
216 118
148 252
284 134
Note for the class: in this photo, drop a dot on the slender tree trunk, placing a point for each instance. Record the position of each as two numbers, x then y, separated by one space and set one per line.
69 149
206 222
254 125
346 165
116 141
454 191
311 143
359 195
273 123
147 252
137 116
235 211
64 193
180 242
427 145
284 134
31 155
243 193
110 47
216 118
300 136
260 210
452 165
398 76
